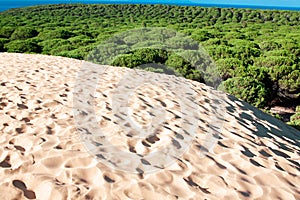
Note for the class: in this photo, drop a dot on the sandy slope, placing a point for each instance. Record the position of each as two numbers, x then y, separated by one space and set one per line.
42 156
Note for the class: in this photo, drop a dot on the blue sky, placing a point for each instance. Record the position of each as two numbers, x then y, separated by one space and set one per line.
285 3
239 2
5 4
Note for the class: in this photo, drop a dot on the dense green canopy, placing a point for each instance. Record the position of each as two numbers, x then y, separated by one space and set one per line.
256 52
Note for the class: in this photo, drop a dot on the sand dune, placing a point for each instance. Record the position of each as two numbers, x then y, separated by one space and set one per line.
42 155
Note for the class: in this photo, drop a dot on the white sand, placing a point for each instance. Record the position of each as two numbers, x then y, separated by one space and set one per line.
42 156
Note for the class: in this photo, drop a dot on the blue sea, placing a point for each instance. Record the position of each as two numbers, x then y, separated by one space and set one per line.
254 4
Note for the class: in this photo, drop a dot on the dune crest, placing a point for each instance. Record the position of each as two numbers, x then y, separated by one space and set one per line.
42 155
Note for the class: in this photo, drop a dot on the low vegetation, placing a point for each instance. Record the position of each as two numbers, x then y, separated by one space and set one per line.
257 52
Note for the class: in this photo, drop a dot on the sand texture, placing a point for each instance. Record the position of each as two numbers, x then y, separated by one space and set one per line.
42 155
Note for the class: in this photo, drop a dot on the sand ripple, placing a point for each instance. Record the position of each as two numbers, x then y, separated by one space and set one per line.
42 156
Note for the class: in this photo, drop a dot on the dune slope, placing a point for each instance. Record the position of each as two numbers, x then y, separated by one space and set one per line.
42 155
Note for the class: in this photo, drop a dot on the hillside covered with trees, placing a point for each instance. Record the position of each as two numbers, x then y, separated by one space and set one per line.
257 52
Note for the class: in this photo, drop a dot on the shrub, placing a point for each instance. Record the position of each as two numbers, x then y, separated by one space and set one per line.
126 60
259 73
5 32
23 46
148 55
248 89
50 45
290 84
81 40
280 52
184 68
55 34
226 67
22 33
295 119
58 50
234 35
269 45
141 56
219 51
273 61
71 54
178 63
3 41
201 35
277 72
